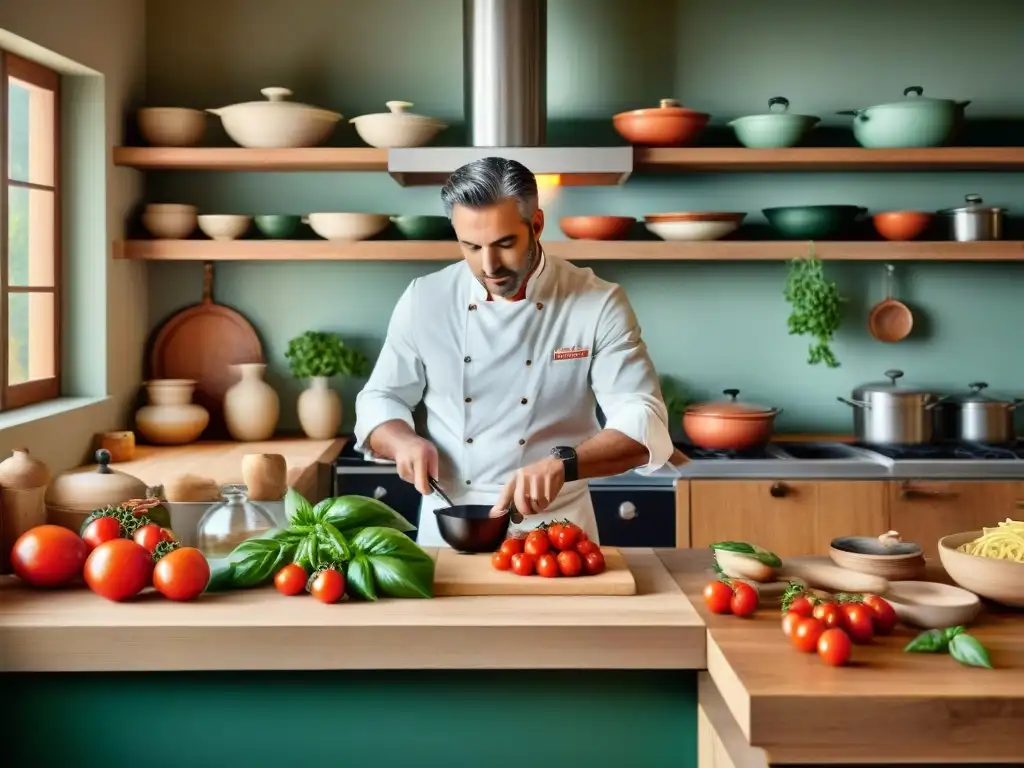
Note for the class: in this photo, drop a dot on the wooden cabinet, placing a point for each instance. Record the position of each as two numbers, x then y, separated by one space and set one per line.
924 511
790 518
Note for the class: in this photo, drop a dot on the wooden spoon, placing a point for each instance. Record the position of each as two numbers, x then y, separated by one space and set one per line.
890 320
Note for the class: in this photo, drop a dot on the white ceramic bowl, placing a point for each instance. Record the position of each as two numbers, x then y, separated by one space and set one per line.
171 126
1001 581
347 226
397 128
931 605
277 123
169 221
691 230
226 226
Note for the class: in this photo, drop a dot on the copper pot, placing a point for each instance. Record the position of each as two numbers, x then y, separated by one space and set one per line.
668 125
729 425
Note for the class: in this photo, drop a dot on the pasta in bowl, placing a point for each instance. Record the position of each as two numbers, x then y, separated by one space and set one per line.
989 562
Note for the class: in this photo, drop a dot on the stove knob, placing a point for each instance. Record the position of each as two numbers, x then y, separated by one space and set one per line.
380 492
627 510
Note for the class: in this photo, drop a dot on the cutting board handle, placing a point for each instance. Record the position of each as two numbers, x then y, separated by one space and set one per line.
207 282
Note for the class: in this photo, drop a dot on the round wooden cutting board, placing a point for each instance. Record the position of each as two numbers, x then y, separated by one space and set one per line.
202 343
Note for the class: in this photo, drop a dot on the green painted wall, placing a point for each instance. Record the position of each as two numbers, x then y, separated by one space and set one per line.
709 325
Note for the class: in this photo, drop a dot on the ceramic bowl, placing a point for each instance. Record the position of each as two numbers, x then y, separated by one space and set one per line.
171 126
277 123
596 227
901 225
667 125
424 227
929 605
470 528
169 221
698 225
347 226
813 222
898 560
224 226
277 226
1001 581
397 127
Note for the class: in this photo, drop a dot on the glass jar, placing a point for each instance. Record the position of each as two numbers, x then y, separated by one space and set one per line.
231 522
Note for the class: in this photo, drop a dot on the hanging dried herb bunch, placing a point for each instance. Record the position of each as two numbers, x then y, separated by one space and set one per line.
815 305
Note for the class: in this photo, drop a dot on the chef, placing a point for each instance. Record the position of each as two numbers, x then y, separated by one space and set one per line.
510 351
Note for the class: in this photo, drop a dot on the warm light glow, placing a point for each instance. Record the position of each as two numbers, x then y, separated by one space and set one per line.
548 180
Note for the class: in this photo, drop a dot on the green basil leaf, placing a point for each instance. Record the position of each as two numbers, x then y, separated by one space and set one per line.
260 565
320 510
222 578
400 567
968 651
333 541
751 550
348 513
932 641
950 632
359 578
315 557
297 509
302 553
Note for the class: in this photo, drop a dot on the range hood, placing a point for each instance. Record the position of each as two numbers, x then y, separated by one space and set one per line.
505 82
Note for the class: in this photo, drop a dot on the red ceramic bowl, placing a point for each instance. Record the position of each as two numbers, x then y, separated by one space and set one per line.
596 227
901 225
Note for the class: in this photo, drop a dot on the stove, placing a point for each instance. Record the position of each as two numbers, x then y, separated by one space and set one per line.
784 460
966 461
949 452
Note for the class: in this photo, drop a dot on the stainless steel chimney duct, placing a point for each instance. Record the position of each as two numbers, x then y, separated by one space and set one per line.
505 71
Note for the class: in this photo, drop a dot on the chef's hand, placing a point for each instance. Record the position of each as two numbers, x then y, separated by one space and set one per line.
533 487
417 462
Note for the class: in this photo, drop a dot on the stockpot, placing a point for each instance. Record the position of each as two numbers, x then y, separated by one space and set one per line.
977 418
889 414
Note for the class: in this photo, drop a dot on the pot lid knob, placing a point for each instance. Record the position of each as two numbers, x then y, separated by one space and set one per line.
893 375
781 101
103 460
668 103
733 393
977 386
399 107
276 94
916 90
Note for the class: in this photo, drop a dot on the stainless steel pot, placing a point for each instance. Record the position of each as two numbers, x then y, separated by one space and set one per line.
977 418
974 221
888 414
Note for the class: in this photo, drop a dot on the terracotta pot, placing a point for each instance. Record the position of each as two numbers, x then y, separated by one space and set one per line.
251 406
668 125
320 410
729 425
901 225
171 418
596 227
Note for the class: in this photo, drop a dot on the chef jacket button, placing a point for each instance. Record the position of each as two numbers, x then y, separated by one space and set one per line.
528 362
522 442
469 439
469 482
469 399
539 305
472 307
467 359
524 401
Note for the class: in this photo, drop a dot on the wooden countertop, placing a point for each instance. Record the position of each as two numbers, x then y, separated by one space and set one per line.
76 630
888 707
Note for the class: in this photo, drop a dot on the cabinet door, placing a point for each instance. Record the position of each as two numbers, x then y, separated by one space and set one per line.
635 517
923 511
385 486
790 518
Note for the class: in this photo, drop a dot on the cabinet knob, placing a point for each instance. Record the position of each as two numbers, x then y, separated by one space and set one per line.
380 492
627 510
778 490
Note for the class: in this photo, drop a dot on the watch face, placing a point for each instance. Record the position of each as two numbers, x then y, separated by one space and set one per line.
562 452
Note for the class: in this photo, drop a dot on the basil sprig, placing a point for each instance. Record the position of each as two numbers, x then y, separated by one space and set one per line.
953 640
749 550
363 536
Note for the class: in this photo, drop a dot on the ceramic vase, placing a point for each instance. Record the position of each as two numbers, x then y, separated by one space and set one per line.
171 418
251 406
320 410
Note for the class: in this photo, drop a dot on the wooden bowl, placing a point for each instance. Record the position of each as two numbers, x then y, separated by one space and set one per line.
929 605
901 225
900 561
1001 581
596 227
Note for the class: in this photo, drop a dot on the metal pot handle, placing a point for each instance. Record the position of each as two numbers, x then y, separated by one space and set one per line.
935 404
854 403
1015 404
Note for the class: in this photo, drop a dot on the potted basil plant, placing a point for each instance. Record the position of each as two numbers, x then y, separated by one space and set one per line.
317 356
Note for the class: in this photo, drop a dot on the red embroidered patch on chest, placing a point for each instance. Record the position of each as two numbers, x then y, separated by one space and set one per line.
570 353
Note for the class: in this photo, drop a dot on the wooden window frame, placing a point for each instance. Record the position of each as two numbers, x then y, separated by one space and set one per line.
30 392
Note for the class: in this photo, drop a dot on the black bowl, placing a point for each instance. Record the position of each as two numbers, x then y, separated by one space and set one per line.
469 528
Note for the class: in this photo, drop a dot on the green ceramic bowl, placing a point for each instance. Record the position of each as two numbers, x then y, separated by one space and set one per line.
277 226
812 222
424 227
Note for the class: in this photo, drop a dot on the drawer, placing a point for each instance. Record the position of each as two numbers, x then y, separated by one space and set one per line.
635 517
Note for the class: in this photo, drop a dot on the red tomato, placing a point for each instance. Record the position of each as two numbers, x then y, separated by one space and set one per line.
501 561
547 565
166 534
328 586
511 546
291 580
148 536
744 599
570 563
586 546
583 534
593 562
882 613
806 633
789 622
718 597
834 647
858 622
567 538
523 564
181 574
101 529
118 569
802 606
49 556
829 614
537 543
554 531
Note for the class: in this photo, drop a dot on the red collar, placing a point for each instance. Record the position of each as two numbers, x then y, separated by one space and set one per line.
521 293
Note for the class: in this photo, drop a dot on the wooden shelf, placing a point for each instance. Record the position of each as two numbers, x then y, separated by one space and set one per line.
698 159
573 250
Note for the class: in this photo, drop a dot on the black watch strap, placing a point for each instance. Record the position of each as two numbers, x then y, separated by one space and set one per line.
569 461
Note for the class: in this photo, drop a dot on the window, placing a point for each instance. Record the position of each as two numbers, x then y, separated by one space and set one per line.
29 233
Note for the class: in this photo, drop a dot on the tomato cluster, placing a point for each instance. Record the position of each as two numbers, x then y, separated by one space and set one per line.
832 627
729 596
112 564
556 549
327 584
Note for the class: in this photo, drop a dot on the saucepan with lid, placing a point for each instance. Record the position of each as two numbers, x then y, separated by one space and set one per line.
974 220
729 425
978 418
887 413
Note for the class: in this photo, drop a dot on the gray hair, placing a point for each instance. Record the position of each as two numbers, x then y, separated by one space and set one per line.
489 181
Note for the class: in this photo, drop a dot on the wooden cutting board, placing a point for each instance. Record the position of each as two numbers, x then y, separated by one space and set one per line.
459 575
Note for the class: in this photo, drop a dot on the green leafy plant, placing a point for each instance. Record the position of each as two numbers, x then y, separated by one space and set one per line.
674 396
815 305
361 536
318 353
953 640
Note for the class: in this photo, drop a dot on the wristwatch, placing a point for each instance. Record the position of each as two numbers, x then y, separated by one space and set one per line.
567 456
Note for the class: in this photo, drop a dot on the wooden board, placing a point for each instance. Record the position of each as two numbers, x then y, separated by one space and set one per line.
460 575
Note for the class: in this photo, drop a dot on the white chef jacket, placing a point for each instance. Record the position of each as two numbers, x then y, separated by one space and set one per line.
503 382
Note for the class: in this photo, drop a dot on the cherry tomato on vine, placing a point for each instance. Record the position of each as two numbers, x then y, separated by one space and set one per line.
328 586
291 580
